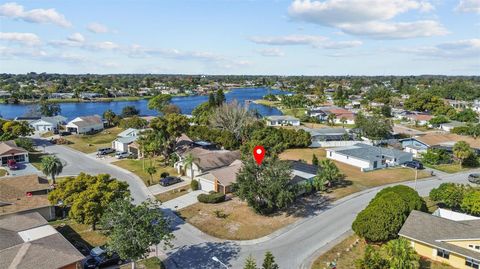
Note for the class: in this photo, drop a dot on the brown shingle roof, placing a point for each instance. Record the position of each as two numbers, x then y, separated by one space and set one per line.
210 159
226 175
52 251
10 147
435 139
13 193
436 231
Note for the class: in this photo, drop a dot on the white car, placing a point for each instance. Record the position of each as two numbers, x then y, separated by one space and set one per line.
122 155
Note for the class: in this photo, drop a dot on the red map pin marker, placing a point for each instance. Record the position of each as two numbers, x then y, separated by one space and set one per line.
259 154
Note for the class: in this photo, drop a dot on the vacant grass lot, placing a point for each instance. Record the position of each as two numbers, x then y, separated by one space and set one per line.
149 263
449 168
172 194
81 233
136 167
240 222
359 180
91 143
347 259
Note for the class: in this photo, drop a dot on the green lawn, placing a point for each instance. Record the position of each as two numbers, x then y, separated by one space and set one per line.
136 167
47 134
449 168
172 194
35 159
149 263
91 143
80 233
3 172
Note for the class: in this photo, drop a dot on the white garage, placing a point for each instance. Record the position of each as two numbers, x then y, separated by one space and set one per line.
205 184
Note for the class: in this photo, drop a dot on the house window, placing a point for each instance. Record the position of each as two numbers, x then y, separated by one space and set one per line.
475 247
443 253
470 262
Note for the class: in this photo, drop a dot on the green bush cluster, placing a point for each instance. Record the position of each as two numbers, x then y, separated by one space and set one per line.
211 198
385 214
194 185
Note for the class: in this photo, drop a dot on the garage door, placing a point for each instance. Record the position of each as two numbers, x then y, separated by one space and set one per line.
206 185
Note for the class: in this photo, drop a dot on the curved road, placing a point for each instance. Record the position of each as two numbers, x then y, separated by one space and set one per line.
294 246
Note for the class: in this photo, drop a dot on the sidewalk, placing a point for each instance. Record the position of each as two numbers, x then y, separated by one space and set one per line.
182 201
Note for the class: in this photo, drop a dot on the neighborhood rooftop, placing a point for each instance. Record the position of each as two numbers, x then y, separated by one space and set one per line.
419 226
367 152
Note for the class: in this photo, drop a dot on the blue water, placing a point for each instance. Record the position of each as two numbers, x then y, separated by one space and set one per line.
186 104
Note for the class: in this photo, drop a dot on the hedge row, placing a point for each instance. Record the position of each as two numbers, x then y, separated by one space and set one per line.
211 198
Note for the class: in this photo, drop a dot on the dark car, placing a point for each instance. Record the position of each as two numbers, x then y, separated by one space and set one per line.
474 178
100 257
55 131
65 133
414 164
167 181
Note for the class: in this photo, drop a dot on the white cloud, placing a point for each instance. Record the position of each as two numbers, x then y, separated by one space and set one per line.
467 48
271 52
400 30
105 45
468 6
76 37
97 28
16 11
311 40
28 39
369 18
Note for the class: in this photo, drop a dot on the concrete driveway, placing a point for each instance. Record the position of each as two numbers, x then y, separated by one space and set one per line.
157 188
182 201
23 169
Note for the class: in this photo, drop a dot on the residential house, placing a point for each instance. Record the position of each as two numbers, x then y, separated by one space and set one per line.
25 194
282 121
45 124
419 118
28 242
419 144
302 173
448 126
476 106
220 179
452 215
205 160
330 137
10 151
341 115
456 243
125 138
368 157
85 124
28 119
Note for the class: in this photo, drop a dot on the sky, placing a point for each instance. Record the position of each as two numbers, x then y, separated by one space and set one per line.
251 37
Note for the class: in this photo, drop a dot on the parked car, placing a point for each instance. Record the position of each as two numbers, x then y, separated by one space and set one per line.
122 155
65 133
414 164
100 257
55 131
167 181
105 151
12 164
474 178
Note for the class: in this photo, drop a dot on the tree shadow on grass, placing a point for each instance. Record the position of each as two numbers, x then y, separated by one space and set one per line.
310 205
73 237
200 255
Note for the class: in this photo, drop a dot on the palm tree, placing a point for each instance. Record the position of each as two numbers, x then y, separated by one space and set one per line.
151 171
401 254
51 166
331 119
189 160
343 120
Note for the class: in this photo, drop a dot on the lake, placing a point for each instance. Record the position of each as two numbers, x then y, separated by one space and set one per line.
186 104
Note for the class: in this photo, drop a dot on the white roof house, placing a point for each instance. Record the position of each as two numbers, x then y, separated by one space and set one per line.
86 124
368 157
452 215
47 123
124 139
282 121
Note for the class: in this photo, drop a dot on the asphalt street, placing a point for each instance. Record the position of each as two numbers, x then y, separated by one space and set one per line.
294 246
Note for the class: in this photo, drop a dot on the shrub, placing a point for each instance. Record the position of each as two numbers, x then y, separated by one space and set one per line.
194 185
409 195
382 219
212 198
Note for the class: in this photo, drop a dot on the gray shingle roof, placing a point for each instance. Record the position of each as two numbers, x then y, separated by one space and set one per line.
435 231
